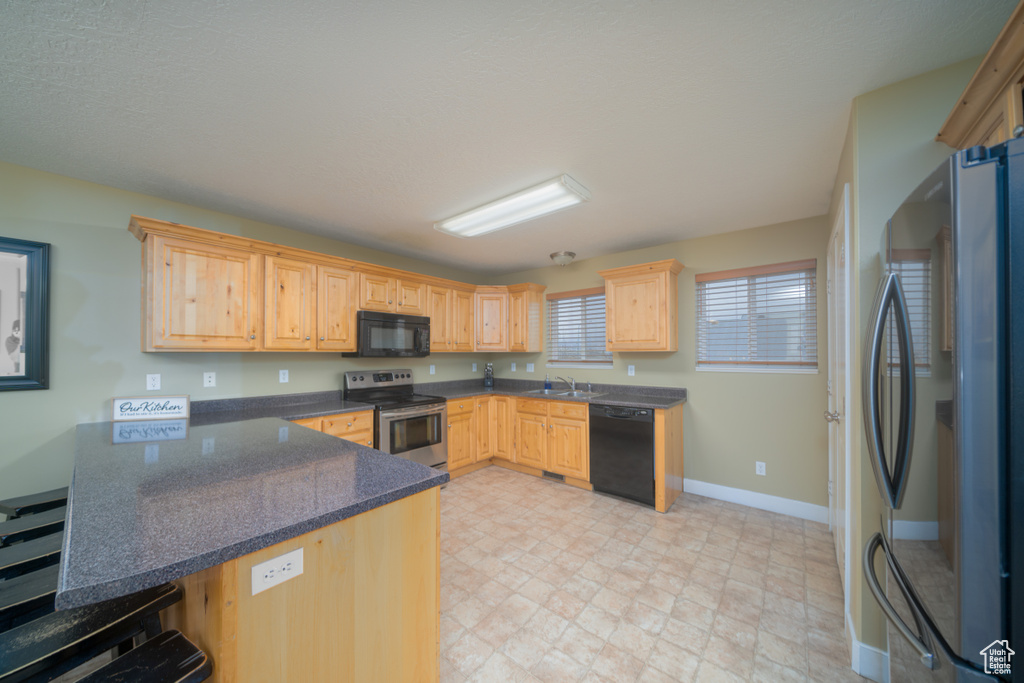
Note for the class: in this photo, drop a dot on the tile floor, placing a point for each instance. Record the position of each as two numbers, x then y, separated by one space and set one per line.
541 581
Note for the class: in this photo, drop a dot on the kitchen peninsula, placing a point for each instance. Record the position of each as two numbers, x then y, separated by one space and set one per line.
202 503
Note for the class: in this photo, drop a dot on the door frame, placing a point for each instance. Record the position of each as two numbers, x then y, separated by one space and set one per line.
841 231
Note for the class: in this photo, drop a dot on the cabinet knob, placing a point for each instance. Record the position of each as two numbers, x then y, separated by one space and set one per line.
349 424
321 338
389 300
369 443
307 338
252 336
449 425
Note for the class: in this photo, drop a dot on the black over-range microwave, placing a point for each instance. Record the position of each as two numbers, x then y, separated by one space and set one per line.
391 335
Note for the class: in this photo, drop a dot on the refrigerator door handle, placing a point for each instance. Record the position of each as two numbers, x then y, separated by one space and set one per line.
892 484
925 653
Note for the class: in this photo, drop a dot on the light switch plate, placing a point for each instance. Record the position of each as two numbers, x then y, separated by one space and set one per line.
513 366
529 367
432 369
276 571
474 367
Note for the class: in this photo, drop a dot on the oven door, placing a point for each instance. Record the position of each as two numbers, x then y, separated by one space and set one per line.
417 433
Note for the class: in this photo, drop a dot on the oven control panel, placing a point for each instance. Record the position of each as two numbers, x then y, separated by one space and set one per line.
377 379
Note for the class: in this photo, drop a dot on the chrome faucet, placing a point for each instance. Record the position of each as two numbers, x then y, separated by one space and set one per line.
571 382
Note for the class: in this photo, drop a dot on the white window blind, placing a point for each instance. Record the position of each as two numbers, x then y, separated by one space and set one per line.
764 316
914 266
576 327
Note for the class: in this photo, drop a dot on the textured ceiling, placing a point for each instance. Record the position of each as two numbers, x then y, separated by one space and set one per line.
368 121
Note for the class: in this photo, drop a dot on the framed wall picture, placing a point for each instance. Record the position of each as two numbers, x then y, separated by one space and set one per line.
24 314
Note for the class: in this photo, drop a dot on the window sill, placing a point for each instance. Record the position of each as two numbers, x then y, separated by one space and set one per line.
586 366
758 370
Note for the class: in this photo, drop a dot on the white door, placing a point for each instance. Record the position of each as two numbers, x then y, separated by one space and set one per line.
838 384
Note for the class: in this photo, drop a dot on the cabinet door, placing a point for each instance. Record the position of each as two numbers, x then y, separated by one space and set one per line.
355 427
633 308
531 440
461 439
200 297
336 309
492 319
482 405
525 305
568 447
412 297
439 303
289 305
376 293
462 331
501 418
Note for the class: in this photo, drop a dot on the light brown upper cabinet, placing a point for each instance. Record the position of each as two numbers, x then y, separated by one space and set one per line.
463 330
200 297
439 309
336 308
492 319
990 107
525 305
289 305
392 295
641 306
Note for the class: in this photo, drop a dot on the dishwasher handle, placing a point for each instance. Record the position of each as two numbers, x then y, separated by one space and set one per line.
622 413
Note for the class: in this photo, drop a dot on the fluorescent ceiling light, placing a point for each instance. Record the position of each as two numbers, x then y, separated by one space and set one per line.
554 195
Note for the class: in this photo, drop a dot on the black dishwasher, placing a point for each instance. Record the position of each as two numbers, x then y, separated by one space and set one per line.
622 452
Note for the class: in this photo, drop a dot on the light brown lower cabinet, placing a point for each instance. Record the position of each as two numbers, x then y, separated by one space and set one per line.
462 438
365 608
356 427
502 408
553 436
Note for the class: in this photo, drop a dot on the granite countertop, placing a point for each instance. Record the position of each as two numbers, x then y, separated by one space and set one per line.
606 394
191 496
287 406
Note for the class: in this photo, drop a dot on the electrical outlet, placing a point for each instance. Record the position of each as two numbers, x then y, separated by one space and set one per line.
474 367
152 382
282 376
209 379
631 370
529 367
513 366
278 570
759 468
433 369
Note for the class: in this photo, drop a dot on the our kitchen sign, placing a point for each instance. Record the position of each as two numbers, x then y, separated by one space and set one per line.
149 408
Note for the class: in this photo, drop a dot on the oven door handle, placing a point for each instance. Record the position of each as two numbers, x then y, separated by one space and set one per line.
417 410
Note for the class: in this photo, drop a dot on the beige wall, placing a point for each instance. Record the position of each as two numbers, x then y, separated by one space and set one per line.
94 321
889 149
732 419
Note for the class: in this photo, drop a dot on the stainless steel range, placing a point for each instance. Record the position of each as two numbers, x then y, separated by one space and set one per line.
407 424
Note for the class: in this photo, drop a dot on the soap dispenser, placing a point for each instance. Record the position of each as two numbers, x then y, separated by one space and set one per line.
489 376
547 381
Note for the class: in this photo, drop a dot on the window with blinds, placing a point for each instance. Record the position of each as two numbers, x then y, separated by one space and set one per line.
914 266
758 318
576 328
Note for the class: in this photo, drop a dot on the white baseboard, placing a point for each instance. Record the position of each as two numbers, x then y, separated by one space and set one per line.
903 530
867 661
761 501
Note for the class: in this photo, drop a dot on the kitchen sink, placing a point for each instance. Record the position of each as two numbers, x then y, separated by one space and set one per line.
546 392
580 394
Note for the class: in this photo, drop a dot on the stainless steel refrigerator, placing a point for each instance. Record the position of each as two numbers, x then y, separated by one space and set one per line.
943 389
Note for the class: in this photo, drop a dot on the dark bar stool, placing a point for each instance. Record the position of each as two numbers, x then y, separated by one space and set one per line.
28 556
33 503
27 597
32 526
168 658
58 642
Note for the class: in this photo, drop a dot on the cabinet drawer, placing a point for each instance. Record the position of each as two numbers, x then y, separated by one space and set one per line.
458 406
532 405
311 422
345 424
574 411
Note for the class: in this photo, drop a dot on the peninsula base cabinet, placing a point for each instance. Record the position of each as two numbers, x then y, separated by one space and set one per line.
356 427
366 607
